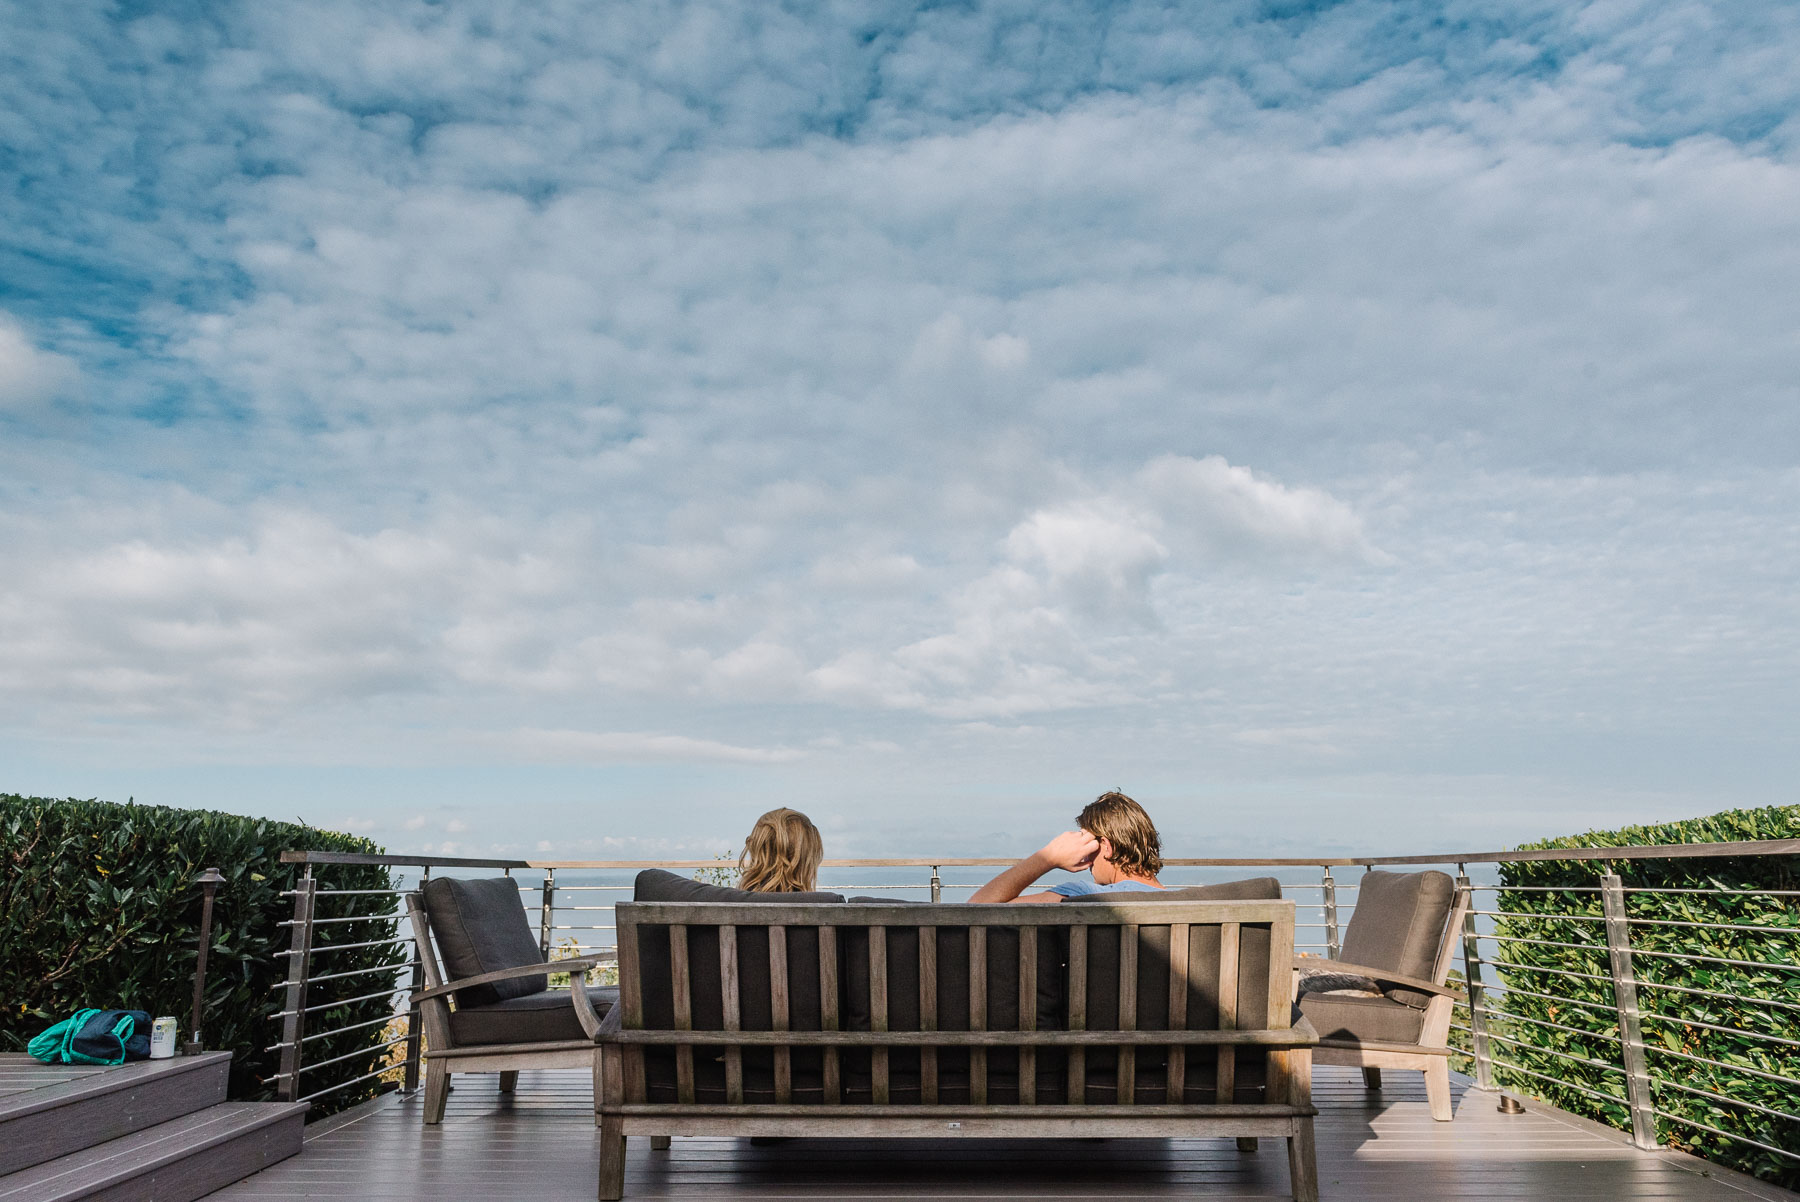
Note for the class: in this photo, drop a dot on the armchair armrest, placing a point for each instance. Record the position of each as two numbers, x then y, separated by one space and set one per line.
506 974
590 1018
1379 975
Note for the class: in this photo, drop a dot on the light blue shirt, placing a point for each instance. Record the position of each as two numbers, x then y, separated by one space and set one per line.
1083 886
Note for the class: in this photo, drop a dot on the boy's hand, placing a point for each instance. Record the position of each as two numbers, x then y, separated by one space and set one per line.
1072 850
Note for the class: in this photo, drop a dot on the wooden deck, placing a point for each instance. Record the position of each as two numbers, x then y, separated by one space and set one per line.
540 1146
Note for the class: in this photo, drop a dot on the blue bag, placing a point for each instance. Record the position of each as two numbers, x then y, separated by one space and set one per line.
95 1037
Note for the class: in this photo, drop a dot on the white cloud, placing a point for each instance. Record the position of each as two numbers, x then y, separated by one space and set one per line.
610 746
688 387
28 374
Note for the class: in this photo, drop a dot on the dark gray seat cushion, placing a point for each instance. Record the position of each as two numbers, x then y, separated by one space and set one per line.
535 1018
1348 1018
1398 924
480 926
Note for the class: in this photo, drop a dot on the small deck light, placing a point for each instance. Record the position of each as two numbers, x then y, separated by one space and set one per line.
210 880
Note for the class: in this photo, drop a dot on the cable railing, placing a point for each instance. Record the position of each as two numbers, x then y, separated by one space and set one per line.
1562 982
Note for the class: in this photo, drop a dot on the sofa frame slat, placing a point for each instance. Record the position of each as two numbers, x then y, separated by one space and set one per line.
1125 1078
728 980
778 1012
831 1072
1077 1012
1225 1086
1175 1088
978 1013
1028 1013
878 1014
928 1013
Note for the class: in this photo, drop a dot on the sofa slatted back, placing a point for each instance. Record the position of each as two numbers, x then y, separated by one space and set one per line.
784 1004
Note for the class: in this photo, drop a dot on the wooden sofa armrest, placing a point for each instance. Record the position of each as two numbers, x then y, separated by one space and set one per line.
1379 975
506 974
610 1026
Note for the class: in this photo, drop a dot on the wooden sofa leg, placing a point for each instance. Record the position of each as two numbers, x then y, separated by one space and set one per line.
509 1081
659 1143
1303 1165
1246 1143
1437 1088
437 1090
612 1157
1371 1078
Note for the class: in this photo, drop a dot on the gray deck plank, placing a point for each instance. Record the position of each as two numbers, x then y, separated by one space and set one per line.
1372 1146
20 1073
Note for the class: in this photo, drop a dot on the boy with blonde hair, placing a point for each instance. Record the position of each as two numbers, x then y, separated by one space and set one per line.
1114 840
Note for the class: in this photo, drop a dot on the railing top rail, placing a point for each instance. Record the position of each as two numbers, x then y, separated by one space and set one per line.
1667 851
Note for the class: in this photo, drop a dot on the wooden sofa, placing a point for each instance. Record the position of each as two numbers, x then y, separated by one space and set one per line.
1147 1017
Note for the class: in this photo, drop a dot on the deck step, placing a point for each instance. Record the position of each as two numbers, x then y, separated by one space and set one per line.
65 1110
174 1161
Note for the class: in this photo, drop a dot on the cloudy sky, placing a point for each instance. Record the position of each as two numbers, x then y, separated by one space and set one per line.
510 427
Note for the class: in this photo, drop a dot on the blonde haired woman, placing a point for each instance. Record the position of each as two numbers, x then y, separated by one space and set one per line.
781 854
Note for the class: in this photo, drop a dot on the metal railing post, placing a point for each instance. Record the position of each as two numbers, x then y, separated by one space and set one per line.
409 1076
293 1022
1471 949
1331 913
545 920
1631 1036
937 885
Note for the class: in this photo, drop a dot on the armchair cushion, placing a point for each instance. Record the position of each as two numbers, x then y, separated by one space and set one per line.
1347 1018
1337 982
480 926
535 1018
1398 925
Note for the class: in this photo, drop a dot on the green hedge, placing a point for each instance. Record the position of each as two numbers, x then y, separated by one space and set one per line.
98 908
1672 1020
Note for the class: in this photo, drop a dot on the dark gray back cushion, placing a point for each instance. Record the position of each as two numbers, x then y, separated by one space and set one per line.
1398 925
658 884
706 987
706 993
480 926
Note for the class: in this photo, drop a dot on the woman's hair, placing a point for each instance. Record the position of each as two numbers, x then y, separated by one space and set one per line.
1136 849
781 854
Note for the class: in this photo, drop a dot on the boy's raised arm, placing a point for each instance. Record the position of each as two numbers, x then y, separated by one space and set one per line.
1073 850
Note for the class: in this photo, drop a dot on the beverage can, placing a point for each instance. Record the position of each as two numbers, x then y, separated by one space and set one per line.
162 1039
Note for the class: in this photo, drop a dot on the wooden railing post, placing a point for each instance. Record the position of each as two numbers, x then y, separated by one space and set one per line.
293 1023
1631 1036
1471 949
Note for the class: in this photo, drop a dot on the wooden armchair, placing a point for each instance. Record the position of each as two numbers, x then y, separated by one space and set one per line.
1383 1002
505 1017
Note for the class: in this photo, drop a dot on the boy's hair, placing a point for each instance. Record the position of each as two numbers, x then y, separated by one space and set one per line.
1137 850
782 854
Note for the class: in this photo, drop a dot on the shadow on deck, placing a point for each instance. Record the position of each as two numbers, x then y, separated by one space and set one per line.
540 1145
